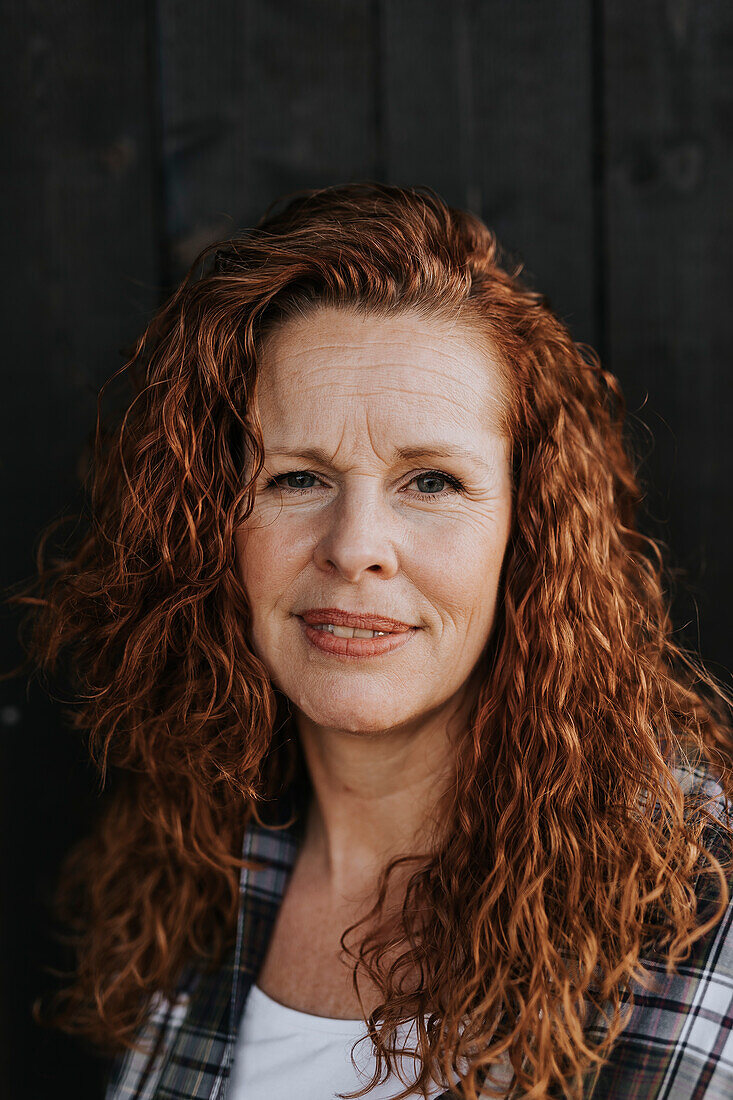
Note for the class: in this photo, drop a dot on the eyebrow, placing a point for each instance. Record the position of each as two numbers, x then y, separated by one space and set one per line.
425 450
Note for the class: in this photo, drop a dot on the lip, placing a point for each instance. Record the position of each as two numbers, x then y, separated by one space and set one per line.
317 616
347 649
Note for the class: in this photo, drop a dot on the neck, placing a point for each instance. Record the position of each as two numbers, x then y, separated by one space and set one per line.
374 795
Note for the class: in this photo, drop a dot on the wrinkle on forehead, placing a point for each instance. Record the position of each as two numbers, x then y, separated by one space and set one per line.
331 352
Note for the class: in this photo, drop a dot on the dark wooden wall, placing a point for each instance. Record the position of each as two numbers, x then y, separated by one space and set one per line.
594 137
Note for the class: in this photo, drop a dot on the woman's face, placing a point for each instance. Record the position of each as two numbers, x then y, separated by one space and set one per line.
417 538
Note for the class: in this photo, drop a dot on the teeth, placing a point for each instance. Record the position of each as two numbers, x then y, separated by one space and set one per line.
350 631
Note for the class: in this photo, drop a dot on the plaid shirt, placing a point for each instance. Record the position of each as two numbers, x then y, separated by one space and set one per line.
678 1044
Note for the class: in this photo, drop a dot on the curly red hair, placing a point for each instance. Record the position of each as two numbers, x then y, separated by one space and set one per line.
565 821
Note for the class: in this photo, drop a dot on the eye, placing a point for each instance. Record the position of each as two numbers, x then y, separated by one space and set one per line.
291 488
437 475
426 476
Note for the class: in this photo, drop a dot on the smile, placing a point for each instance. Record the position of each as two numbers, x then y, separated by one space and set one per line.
349 643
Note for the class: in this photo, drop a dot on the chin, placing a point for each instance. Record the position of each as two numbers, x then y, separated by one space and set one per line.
364 716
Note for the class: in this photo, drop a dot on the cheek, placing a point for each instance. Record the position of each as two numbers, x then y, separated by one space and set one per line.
266 560
253 552
463 576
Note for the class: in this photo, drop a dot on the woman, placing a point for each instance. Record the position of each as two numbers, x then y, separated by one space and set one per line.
404 749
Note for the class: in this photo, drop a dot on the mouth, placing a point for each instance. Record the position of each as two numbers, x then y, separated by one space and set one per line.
349 642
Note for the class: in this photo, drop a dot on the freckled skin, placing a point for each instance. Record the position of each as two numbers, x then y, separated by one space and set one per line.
360 538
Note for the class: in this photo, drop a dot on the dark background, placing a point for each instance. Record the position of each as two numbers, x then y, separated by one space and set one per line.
593 137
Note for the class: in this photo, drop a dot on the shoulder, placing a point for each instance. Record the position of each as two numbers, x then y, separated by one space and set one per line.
678 1043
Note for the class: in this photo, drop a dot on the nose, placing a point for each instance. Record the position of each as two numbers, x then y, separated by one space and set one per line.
359 535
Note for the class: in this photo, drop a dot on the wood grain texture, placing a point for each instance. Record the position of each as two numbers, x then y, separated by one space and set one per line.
261 98
80 258
669 217
533 134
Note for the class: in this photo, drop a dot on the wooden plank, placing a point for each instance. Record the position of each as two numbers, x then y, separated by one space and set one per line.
267 97
669 102
261 98
532 158
425 99
80 253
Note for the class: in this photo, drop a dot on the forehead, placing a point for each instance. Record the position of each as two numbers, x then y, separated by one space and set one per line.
408 363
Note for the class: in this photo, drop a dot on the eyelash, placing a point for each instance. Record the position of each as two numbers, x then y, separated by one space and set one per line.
454 481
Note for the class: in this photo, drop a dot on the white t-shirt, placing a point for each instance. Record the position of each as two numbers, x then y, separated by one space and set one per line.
285 1053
